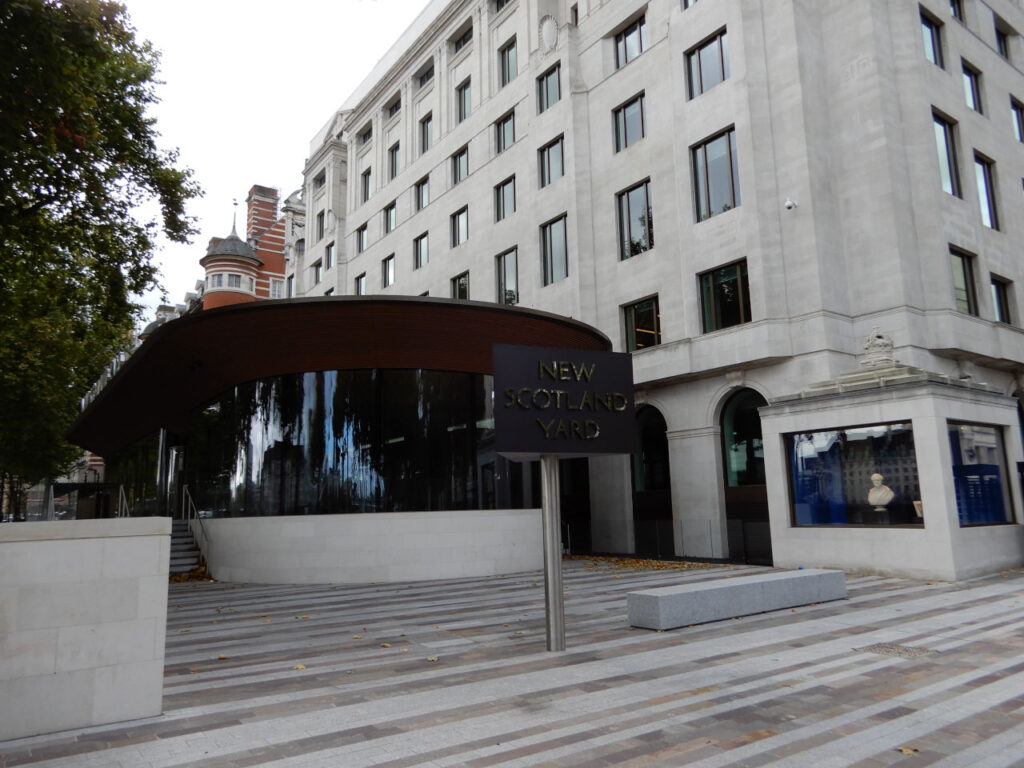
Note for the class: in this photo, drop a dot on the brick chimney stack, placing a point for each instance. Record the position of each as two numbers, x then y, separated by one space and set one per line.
262 211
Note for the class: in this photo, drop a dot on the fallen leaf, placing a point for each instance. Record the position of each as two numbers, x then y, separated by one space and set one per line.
299 666
222 656
403 650
385 645
431 658
186 629
193 671
906 750
348 671
357 637
266 621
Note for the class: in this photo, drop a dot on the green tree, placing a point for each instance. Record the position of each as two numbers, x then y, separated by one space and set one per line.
78 160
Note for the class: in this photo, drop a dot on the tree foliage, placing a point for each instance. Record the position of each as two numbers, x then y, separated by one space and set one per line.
78 158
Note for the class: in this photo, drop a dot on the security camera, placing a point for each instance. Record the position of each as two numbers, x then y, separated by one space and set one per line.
790 205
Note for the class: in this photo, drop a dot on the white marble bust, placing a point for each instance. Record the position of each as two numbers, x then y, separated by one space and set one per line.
879 495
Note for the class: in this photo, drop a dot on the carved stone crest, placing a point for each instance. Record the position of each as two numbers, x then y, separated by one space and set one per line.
878 350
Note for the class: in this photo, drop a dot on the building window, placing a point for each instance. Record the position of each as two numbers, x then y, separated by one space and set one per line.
329 255
462 39
460 226
460 286
394 160
855 476
318 272
1017 114
630 124
979 474
636 223
708 64
422 193
643 324
507 271
425 76
387 271
360 285
460 165
291 286
215 281
549 88
500 4
321 224
630 42
689 4
931 31
550 161
1001 299
716 175
507 62
964 296
725 296
426 132
553 251
1003 34
277 289
394 107
463 101
365 135
319 180
972 86
420 251
362 239
945 144
956 9
364 185
234 281
505 199
984 175
574 14
505 132
390 218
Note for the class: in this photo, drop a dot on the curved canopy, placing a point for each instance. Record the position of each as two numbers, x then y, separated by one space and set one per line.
189 361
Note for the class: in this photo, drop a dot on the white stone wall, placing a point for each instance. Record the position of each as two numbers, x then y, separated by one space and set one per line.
383 546
83 615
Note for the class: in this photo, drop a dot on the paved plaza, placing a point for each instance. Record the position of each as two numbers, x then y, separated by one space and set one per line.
454 673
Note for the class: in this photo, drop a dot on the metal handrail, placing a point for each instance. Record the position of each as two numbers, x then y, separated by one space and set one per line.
124 509
189 512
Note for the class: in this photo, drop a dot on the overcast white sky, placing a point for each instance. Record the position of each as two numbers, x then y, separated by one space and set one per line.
247 83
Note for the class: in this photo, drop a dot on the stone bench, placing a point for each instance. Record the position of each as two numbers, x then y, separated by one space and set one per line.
686 604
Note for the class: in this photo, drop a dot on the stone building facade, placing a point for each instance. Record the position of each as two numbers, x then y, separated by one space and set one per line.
739 193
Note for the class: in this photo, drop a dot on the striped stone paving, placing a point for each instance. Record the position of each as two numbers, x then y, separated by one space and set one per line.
454 673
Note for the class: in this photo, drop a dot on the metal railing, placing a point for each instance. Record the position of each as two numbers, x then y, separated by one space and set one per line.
124 509
190 513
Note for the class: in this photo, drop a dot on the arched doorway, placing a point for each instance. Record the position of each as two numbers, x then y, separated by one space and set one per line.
652 492
746 495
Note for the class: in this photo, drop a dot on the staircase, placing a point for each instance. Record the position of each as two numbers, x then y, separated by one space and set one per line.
185 556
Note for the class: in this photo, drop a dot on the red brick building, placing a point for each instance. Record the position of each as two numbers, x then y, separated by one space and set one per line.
239 270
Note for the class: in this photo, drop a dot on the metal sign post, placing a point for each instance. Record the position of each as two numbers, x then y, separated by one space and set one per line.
560 403
554 604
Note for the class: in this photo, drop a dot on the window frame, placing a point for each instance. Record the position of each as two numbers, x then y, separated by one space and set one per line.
459 221
501 272
508 64
317 268
710 311
458 284
387 271
622 136
946 149
362 238
629 315
390 216
421 251
394 160
695 63
544 100
625 217
321 225
462 40
972 86
1001 311
460 174
366 184
421 193
699 167
426 132
329 255
985 178
359 285
463 100
504 132
637 27
1017 117
501 198
931 37
544 165
547 250
965 296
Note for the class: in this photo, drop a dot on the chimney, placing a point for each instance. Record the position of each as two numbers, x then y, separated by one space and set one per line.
262 211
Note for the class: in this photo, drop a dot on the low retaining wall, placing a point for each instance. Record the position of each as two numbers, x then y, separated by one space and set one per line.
83 614
381 546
